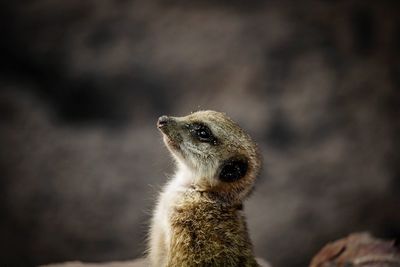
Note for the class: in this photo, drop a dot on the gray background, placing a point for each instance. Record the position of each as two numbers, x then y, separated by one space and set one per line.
316 83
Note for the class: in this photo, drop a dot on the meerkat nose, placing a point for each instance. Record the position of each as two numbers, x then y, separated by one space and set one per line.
162 121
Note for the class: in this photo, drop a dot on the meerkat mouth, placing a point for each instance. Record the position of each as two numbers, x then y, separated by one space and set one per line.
171 143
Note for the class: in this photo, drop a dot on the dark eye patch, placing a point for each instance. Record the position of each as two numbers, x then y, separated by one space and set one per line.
233 169
202 133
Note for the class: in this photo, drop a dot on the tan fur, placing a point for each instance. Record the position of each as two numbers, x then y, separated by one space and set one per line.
198 220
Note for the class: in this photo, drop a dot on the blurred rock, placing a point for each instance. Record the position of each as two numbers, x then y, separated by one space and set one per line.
358 250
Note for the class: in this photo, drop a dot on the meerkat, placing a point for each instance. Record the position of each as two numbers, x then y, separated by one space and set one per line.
199 220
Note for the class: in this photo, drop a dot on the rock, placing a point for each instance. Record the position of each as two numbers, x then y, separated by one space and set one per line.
358 250
263 263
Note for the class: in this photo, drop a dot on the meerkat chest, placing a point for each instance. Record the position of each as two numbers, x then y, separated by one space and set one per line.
203 231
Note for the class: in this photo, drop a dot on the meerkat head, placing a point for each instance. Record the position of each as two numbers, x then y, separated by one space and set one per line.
215 152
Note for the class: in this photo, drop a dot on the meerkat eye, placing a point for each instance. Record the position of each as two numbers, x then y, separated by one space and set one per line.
203 133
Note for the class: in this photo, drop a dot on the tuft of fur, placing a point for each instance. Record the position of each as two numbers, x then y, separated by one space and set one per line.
198 220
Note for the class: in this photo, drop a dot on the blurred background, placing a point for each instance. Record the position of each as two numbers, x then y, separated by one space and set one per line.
316 83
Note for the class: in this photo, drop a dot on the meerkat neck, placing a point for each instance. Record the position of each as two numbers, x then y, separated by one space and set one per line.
184 177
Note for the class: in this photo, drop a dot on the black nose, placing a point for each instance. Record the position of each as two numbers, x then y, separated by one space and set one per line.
162 121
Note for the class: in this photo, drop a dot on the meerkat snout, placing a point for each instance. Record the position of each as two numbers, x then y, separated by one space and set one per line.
198 220
162 121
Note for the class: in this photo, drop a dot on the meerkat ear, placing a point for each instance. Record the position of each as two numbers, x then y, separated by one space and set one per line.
233 169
